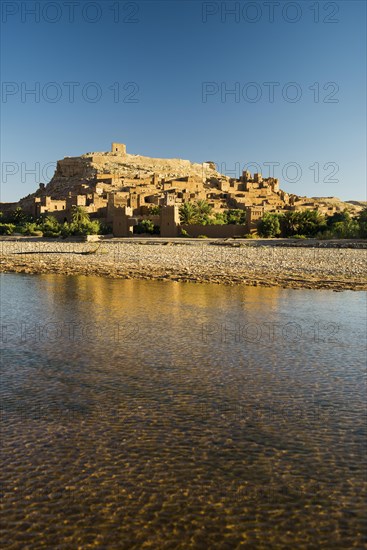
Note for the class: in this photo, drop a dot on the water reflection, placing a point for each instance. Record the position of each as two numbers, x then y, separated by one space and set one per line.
181 416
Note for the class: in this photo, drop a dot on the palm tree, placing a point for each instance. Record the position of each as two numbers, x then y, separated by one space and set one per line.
188 213
203 207
203 210
290 222
79 215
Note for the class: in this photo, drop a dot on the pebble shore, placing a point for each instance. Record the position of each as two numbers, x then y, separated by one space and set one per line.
228 262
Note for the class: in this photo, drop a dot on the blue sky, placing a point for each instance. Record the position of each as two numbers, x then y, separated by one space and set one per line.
157 76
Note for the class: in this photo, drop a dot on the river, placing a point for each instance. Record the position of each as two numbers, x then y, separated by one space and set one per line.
175 415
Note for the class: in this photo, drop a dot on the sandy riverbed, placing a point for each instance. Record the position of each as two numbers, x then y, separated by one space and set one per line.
247 263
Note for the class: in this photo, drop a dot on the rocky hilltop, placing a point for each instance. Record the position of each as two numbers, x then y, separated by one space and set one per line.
86 169
104 181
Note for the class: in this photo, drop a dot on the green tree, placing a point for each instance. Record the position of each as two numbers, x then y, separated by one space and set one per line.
307 223
81 224
362 223
18 216
343 226
310 222
338 217
79 215
346 230
188 213
235 216
219 218
203 210
289 223
269 225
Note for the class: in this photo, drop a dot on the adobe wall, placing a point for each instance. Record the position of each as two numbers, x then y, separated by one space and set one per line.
121 222
216 231
169 221
11 206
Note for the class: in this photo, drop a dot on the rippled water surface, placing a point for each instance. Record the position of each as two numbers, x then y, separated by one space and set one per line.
140 414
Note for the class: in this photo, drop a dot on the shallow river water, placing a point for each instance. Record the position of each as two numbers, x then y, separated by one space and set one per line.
141 414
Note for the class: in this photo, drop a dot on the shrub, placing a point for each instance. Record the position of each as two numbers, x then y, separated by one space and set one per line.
84 228
19 229
52 234
155 210
342 226
184 233
106 229
93 228
31 228
145 226
7 228
49 224
66 230
325 235
202 236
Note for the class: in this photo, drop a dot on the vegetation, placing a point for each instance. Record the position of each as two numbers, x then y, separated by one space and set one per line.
235 216
81 223
310 224
362 222
203 210
7 228
201 213
155 210
219 218
299 225
146 226
269 225
48 226
18 217
188 214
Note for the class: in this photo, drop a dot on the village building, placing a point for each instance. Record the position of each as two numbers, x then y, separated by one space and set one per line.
119 189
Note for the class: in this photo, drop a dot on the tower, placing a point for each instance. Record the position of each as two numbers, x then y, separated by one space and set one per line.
170 220
118 148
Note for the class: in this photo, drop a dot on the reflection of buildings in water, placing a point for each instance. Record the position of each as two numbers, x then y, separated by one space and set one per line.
169 316
99 299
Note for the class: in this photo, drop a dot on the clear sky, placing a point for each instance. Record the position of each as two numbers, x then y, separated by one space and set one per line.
157 76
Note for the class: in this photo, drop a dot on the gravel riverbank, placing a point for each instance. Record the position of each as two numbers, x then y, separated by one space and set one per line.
228 262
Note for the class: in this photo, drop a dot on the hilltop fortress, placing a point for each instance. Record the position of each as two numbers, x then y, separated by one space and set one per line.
119 189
